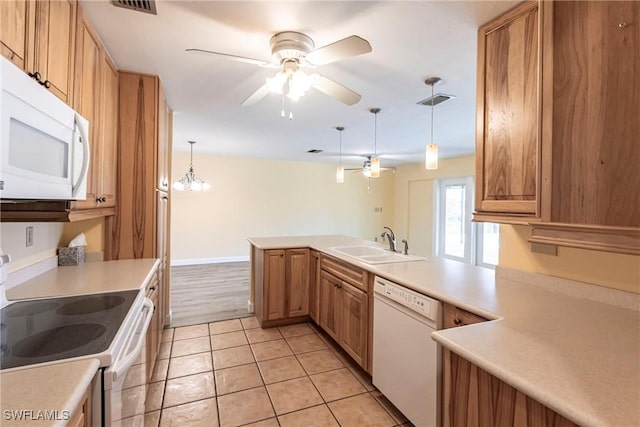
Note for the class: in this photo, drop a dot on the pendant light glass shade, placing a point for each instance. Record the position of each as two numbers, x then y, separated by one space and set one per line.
375 160
190 182
431 157
340 170
431 153
375 167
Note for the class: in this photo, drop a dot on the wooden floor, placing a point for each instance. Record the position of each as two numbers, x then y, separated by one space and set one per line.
209 293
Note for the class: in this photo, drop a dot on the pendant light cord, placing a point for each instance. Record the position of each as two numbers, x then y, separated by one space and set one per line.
432 108
375 134
340 147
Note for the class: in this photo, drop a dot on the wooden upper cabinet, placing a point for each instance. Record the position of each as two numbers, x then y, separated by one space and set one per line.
107 175
17 17
135 228
507 140
596 140
39 37
87 103
590 139
164 139
54 46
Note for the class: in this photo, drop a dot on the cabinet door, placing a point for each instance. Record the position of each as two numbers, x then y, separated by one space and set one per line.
354 322
16 17
330 304
87 101
106 194
275 284
164 149
507 140
596 105
135 225
314 286
153 333
297 262
54 45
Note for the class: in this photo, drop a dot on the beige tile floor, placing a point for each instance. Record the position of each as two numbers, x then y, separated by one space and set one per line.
232 373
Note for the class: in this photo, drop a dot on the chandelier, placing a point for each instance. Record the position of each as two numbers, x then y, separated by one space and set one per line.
190 182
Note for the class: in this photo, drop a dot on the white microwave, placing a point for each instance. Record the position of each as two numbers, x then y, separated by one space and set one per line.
44 143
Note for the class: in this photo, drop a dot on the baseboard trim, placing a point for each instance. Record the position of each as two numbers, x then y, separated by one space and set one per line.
219 260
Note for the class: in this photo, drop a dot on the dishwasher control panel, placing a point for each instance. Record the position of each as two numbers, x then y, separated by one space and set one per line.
413 300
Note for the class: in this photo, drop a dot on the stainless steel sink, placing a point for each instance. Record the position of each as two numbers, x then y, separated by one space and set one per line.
374 255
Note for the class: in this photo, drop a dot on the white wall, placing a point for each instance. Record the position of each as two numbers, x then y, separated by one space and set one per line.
414 200
46 238
252 197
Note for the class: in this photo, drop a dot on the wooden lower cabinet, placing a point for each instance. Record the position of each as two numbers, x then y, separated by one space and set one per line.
281 280
354 319
344 315
154 332
475 398
314 286
329 304
82 415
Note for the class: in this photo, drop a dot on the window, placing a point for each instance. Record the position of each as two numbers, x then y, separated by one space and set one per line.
487 244
454 231
457 237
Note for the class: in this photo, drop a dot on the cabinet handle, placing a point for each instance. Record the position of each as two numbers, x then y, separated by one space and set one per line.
101 199
46 84
153 288
36 76
457 321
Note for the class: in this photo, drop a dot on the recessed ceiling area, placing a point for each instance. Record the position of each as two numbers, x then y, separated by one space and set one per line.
410 41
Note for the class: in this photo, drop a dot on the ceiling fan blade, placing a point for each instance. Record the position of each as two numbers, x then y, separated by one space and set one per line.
345 48
259 62
256 96
335 90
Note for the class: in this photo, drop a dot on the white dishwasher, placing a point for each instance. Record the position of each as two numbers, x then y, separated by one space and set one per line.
406 361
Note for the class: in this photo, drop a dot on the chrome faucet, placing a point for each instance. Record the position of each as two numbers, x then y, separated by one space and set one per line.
391 237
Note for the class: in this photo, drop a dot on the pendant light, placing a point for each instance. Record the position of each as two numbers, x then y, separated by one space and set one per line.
375 160
340 170
431 153
190 182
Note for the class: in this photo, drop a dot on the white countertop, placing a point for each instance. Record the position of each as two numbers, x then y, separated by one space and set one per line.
86 278
53 388
551 339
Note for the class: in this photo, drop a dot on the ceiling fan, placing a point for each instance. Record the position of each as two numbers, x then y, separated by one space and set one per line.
366 168
291 51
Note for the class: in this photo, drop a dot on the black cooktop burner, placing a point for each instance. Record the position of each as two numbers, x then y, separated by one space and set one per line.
59 328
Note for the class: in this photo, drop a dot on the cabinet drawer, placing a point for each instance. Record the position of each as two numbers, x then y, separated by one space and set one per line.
346 272
455 317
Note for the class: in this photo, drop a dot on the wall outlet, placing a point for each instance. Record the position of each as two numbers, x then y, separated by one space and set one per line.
29 236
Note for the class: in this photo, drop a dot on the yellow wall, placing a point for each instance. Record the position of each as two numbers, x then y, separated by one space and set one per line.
46 240
600 268
252 197
93 230
414 201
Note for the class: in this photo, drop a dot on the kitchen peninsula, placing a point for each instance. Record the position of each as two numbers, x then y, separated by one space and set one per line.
546 336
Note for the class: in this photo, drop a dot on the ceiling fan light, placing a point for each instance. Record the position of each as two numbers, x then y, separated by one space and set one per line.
375 167
431 157
340 175
276 82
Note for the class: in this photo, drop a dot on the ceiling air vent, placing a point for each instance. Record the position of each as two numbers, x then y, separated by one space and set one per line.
436 99
314 151
146 6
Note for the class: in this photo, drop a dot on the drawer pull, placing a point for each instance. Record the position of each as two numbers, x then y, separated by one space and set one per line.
457 321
